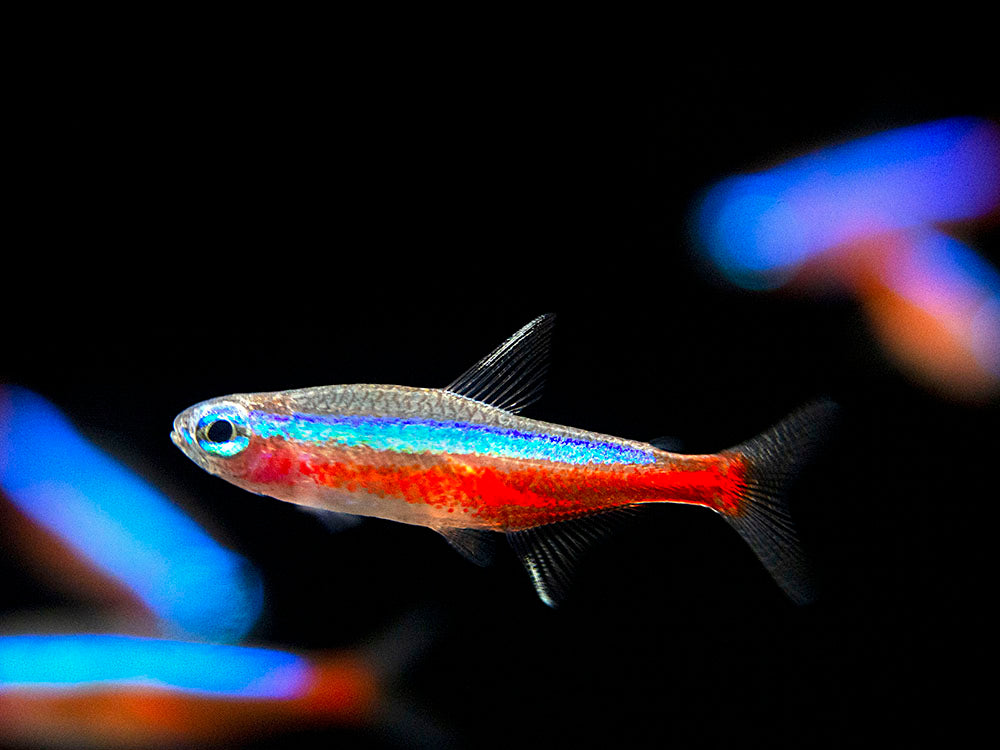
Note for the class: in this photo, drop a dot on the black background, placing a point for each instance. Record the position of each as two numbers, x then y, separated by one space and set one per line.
190 226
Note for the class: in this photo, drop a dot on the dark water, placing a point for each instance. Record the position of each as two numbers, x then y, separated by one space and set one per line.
247 237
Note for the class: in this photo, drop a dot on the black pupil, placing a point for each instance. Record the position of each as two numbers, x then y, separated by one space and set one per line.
220 431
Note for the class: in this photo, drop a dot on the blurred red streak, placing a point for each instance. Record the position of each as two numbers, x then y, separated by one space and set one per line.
343 693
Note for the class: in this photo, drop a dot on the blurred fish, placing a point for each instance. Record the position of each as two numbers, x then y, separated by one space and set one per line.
112 690
870 217
99 523
121 691
461 461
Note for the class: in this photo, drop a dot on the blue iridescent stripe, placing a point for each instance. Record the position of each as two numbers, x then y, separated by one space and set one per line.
79 662
434 436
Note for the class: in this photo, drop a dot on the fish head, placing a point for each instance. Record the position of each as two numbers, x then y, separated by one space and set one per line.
215 434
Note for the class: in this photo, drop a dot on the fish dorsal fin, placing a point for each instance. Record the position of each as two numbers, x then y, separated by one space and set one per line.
550 552
473 544
512 375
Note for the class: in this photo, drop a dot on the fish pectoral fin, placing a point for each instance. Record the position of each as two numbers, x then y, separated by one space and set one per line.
473 544
550 552
512 375
333 520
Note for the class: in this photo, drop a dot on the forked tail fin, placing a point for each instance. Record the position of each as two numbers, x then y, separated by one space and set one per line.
759 513
762 518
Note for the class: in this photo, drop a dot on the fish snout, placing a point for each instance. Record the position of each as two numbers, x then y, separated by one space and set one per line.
180 435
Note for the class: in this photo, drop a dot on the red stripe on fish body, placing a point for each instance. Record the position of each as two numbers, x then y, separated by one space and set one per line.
501 494
271 461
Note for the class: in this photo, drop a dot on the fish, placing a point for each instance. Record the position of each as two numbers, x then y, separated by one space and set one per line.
463 461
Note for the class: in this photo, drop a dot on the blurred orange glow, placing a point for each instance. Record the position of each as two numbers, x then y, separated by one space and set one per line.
934 341
343 693
941 329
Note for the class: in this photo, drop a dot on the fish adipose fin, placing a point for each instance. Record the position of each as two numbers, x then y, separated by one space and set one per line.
475 545
550 552
511 377
667 443
762 518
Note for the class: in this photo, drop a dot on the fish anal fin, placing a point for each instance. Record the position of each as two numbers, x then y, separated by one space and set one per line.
550 553
512 375
475 545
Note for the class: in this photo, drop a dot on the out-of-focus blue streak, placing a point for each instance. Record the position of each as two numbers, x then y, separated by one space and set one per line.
81 661
121 525
755 226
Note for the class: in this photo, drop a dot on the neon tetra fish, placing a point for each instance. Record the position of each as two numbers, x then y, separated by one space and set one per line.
461 461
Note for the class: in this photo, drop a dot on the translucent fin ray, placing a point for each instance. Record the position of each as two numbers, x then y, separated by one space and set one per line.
763 519
333 520
474 545
511 377
550 553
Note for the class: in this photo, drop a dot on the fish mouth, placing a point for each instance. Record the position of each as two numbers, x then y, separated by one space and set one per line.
180 435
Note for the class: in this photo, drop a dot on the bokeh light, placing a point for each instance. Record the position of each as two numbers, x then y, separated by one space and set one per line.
124 527
866 216
758 225
113 690
82 660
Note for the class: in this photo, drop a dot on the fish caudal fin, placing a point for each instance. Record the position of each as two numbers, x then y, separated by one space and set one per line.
761 516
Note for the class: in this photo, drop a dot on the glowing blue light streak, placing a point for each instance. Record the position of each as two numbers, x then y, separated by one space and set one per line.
82 661
433 436
756 225
119 523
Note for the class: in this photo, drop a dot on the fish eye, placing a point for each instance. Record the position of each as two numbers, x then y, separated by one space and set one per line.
223 432
220 431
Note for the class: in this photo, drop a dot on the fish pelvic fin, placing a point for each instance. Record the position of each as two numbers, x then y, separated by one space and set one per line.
475 545
761 516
